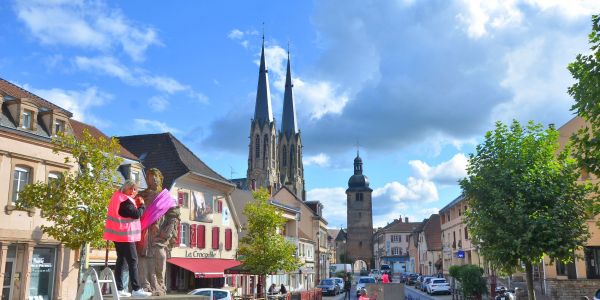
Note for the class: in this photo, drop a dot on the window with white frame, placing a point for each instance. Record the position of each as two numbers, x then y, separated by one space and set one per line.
395 238
27 118
395 251
21 178
135 176
53 177
59 126
184 235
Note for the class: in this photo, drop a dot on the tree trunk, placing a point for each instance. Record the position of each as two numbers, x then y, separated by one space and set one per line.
529 275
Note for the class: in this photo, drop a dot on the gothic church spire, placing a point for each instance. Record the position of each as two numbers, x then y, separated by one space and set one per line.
262 111
289 126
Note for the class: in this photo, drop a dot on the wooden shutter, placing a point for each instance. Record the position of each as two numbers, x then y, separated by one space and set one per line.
220 206
179 234
180 198
228 236
200 233
215 238
193 235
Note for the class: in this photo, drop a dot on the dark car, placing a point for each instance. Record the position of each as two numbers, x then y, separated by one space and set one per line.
329 287
411 279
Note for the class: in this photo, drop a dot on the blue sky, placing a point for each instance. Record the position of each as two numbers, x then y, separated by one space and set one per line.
417 83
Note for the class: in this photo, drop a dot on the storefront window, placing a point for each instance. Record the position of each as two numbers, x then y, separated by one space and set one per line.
42 273
9 270
592 257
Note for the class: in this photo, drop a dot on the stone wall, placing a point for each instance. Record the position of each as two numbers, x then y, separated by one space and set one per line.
572 288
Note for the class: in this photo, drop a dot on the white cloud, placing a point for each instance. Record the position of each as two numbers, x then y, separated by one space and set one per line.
78 102
334 202
484 16
448 172
136 76
241 36
152 126
235 34
416 189
321 160
85 24
158 103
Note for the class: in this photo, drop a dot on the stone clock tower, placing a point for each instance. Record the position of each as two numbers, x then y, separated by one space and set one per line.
359 216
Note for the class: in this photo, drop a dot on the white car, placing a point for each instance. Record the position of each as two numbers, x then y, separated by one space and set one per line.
339 282
213 294
376 274
438 286
362 281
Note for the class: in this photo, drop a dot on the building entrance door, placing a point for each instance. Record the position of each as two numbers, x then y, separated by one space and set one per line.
9 272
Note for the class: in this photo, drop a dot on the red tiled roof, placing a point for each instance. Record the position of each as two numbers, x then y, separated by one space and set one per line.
79 127
18 92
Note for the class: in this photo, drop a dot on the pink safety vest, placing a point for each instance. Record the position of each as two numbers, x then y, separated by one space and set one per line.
117 228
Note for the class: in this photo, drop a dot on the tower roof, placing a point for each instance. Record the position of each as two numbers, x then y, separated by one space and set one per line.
288 121
358 180
262 111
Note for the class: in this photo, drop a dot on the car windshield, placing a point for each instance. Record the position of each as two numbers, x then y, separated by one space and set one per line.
338 280
326 282
366 280
439 281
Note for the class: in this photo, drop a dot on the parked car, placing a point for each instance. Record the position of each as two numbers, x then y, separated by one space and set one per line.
419 282
213 294
502 293
438 286
412 279
375 274
339 282
329 287
385 268
362 281
425 282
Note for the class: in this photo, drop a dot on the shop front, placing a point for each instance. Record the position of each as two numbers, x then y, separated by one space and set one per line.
31 271
188 273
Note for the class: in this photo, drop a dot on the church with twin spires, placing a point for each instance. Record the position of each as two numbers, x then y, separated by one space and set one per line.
275 157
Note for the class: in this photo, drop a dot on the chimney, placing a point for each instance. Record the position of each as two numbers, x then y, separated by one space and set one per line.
406 219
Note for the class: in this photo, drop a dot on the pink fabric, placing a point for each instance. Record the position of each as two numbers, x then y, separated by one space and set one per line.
158 208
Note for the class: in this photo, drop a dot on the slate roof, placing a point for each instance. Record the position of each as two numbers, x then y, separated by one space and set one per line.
333 233
433 233
7 123
341 236
398 225
453 202
169 155
79 127
18 92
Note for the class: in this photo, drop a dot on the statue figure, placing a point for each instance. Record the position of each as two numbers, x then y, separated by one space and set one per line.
157 238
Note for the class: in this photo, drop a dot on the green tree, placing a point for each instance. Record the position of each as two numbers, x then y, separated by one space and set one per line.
523 198
586 92
76 202
265 251
470 278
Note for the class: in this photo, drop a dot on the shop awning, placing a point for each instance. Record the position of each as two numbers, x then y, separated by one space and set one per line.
239 269
204 267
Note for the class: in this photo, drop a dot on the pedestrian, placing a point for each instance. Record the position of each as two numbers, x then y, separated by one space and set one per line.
271 290
347 285
385 278
282 289
363 295
124 229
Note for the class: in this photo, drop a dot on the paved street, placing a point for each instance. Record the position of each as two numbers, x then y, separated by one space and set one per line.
410 292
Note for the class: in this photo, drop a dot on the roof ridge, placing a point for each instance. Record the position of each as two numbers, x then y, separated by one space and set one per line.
174 138
36 96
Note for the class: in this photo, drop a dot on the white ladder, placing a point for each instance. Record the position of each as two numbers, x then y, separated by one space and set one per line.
90 286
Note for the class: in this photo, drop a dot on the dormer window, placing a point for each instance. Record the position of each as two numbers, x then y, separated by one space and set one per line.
59 126
135 176
27 118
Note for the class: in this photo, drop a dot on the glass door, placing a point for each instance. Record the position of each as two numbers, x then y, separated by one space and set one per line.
9 271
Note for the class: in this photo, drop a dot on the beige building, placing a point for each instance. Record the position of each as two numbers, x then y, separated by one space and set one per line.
31 263
457 248
429 247
391 245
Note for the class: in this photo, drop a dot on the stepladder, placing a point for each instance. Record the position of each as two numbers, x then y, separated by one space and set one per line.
97 287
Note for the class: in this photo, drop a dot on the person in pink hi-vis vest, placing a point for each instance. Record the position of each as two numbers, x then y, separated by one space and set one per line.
123 227
385 278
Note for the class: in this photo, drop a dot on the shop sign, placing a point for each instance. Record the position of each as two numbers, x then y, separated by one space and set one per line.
198 254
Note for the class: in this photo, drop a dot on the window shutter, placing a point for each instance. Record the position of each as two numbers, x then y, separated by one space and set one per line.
200 232
193 235
180 198
179 234
227 239
215 238
220 206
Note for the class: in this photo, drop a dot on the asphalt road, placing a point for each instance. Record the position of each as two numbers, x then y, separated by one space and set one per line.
410 294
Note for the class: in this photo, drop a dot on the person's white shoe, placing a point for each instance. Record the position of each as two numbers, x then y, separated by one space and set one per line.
141 293
123 294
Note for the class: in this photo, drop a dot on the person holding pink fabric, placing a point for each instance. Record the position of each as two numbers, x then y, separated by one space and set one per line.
159 231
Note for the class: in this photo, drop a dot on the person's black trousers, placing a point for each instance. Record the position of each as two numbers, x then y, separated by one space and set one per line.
126 253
